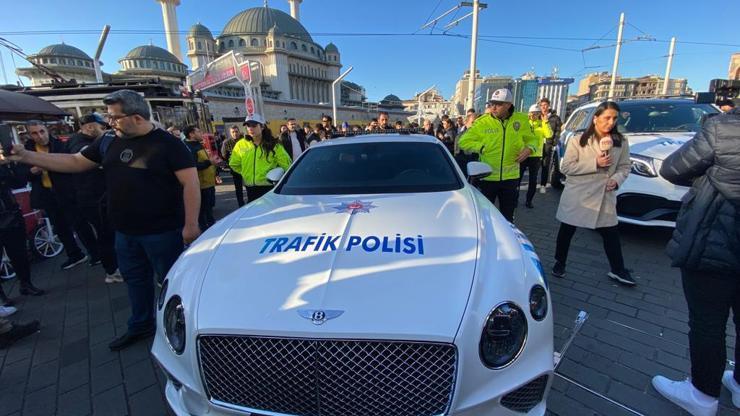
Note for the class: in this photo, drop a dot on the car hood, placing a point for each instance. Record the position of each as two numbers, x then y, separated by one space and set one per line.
393 266
658 145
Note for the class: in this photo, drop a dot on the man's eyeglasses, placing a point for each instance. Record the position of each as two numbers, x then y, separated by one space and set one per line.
495 104
113 118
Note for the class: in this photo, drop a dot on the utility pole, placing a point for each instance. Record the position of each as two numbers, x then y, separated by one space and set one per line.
334 94
473 55
668 66
477 6
616 56
98 52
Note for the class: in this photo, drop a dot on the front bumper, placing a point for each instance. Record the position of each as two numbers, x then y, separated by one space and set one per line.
652 202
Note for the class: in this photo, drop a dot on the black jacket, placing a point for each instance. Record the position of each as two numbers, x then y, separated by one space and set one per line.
555 125
89 186
12 176
288 144
62 184
707 234
194 148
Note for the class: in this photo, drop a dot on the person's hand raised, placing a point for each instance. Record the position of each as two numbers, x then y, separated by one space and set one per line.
604 160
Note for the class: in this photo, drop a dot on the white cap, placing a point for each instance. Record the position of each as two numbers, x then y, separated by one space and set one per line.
534 108
255 117
502 95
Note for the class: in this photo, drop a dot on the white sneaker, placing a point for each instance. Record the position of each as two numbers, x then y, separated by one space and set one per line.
543 190
114 277
729 381
686 396
7 311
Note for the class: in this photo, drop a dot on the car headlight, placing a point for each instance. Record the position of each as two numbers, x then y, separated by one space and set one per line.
643 166
538 302
503 336
174 324
162 294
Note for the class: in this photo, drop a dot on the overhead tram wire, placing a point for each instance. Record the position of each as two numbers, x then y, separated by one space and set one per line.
96 32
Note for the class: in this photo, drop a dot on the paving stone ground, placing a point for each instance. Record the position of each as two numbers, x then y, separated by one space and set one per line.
632 333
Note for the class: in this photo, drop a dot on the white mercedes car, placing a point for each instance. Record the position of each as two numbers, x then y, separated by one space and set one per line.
372 280
655 128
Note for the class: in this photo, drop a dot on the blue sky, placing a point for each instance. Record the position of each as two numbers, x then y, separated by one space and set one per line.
403 65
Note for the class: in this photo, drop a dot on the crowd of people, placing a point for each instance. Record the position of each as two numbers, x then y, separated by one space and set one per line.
136 197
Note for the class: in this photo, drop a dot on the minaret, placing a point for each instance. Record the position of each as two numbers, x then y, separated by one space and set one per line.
169 15
295 9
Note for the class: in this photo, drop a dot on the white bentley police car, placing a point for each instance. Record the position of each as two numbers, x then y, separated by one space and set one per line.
373 280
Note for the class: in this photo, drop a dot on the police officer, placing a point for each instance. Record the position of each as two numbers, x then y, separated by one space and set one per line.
503 138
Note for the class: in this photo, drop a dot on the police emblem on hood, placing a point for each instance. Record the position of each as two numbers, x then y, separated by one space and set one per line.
517 125
319 316
354 207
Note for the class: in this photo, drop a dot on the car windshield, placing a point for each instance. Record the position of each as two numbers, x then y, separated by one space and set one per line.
372 168
637 117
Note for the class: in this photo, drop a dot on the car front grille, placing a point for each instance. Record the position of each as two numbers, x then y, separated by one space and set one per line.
528 396
322 377
647 207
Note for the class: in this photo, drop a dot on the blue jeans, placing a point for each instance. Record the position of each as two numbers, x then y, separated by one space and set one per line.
139 257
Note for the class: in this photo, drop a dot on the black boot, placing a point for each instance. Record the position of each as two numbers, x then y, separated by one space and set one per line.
27 288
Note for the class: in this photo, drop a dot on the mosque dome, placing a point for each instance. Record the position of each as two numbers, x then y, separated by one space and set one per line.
150 59
152 52
331 48
64 50
198 30
259 20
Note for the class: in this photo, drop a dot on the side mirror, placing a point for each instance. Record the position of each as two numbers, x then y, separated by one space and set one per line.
477 170
274 175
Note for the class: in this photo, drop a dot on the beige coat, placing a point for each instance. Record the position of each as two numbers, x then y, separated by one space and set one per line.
585 201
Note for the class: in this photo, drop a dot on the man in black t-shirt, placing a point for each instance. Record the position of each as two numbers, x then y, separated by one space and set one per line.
153 199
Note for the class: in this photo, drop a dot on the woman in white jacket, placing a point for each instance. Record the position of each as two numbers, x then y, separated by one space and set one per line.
596 164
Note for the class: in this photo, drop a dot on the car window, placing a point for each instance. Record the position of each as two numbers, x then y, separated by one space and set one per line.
576 121
648 117
369 168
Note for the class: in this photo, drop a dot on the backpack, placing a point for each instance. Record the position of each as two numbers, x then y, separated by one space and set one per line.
105 143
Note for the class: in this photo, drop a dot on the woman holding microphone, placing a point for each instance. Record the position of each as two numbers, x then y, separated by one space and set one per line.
253 159
596 164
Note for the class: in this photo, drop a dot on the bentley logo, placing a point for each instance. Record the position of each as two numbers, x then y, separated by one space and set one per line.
318 316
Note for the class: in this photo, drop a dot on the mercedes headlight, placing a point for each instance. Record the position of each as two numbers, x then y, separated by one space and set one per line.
174 324
643 166
503 336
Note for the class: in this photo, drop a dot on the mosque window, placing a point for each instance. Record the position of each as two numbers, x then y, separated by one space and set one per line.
304 48
200 45
221 47
53 60
293 45
242 42
312 51
79 63
255 42
231 43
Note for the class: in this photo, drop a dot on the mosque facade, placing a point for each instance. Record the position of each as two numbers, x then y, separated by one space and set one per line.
296 71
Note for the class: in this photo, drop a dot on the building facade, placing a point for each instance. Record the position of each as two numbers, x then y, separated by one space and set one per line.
525 92
556 90
461 90
647 86
734 71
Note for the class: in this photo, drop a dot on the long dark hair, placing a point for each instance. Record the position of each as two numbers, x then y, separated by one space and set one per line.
268 142
591 130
